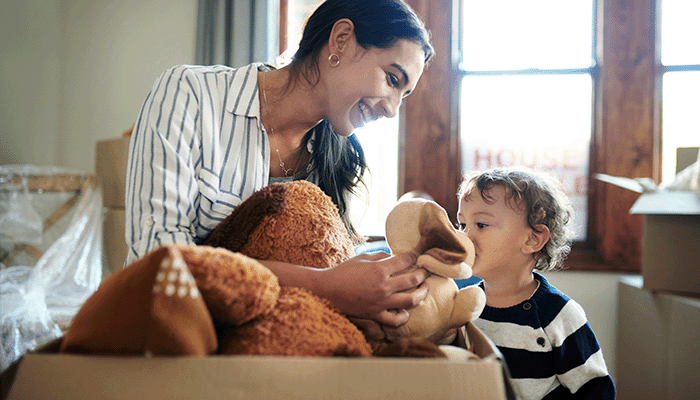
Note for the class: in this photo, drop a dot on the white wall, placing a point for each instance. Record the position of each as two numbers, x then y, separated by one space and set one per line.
29 81
75 72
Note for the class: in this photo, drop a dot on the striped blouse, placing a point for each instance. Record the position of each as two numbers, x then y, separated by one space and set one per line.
549 347
198 149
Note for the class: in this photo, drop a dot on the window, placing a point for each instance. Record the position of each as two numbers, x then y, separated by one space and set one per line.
680 60
626 137
526 94
380 142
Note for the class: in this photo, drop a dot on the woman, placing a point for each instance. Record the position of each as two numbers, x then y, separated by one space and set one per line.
208 137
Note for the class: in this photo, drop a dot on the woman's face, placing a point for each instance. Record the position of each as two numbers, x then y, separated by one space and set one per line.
369 84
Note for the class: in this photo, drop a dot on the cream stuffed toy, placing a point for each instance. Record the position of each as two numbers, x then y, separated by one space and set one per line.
423 227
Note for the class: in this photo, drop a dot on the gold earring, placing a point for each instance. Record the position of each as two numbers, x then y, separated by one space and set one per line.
334 60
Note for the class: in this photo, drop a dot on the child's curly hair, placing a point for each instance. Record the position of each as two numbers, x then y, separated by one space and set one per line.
537 193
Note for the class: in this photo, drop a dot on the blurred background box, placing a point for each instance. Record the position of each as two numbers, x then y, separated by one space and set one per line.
115 248
111 157
658 351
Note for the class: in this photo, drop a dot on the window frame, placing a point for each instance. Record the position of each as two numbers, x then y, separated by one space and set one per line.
626 129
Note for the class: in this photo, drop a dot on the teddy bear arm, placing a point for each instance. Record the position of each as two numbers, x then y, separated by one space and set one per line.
236 288
469 303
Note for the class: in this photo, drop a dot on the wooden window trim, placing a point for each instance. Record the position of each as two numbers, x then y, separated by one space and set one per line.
625 139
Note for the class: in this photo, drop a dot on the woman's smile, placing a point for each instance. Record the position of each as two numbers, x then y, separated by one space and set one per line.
365 114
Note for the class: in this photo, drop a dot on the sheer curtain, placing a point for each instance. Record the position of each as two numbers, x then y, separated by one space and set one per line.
237 32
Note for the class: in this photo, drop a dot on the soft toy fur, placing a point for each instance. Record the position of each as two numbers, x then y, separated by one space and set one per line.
218 298
296 223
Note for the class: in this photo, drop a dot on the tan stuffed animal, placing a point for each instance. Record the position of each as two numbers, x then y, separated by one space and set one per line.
423 227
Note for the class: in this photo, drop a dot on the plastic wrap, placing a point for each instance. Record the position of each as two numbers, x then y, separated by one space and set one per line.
50 253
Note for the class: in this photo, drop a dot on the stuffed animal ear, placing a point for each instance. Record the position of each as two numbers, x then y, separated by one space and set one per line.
444 250
233 232
150 307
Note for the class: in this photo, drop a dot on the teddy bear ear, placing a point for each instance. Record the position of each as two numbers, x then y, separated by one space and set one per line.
233 232
150 307
442 244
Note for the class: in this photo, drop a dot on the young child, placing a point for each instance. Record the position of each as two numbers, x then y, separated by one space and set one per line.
517 219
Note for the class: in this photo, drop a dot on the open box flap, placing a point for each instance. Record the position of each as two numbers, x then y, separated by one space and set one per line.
667 202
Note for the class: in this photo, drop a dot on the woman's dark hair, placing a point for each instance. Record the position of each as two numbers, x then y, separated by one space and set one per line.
339 161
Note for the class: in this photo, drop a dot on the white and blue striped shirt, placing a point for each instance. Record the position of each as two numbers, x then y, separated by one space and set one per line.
198 149
549 347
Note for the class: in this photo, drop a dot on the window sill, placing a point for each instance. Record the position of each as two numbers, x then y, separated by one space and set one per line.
582 259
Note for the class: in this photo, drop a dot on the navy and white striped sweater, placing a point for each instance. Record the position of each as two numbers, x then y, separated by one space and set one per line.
549 347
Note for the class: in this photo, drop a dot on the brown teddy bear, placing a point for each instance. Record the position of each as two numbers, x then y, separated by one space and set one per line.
198 300
297 223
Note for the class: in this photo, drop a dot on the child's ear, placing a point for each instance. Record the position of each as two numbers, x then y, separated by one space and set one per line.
536 239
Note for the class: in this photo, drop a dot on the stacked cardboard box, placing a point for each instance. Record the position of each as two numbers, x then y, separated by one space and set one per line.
671 244
111 158
657 350
658 314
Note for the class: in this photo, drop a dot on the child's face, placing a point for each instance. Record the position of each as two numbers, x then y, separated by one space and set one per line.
499 233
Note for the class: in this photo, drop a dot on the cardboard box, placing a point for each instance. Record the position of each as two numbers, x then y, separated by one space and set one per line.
115 248
671 241
671 237
59 376
657 346
111 158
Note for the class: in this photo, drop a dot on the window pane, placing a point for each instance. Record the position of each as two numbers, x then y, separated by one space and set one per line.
380 142
543 122
298 11
681 119
680 32
519 34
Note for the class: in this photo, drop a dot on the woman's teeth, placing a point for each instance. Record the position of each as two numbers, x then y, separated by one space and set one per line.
364 113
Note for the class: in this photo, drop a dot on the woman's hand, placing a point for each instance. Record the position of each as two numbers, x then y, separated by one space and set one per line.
374 286
371 286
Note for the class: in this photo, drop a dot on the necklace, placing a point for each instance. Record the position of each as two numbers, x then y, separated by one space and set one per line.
272 134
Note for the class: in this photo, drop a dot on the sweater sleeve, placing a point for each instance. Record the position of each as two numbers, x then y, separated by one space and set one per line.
579 363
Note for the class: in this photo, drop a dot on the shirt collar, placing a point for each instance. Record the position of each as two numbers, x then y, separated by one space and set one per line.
244 99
